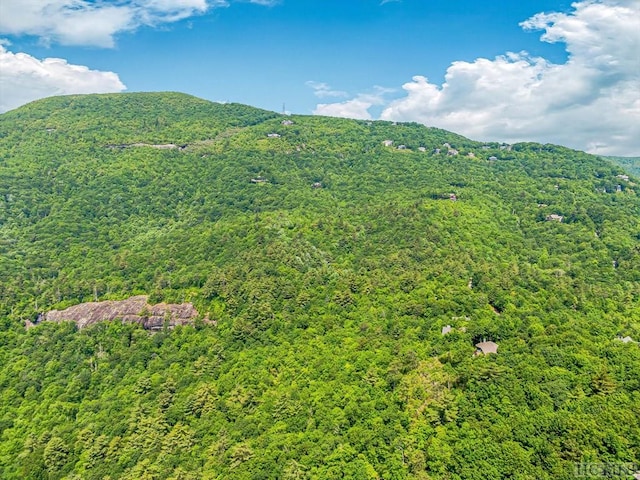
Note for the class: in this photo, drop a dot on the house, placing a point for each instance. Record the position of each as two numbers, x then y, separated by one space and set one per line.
485 348
493 158
618 188
446 329
259 180
273 135
446 145
287 122
452 152
422 149
623 177
388 143
452 197
471 155
317 185
554 218
436 151
626 339
402 147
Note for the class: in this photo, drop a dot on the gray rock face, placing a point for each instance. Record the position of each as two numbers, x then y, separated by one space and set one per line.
132 310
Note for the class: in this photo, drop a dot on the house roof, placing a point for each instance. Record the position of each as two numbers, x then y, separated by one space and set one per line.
487 347
626 339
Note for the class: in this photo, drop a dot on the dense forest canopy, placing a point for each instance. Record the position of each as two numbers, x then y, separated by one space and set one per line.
631 164
326 256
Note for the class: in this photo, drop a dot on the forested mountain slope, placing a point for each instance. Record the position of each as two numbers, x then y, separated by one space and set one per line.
631 164
330 262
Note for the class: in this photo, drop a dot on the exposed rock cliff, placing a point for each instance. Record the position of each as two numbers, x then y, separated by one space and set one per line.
132 310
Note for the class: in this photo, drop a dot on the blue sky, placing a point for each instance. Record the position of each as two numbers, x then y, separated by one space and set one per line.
545 70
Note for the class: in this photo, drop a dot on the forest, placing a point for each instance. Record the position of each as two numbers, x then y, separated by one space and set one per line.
344 272
631 164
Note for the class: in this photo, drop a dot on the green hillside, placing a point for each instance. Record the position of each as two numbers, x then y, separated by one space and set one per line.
630 164
327 359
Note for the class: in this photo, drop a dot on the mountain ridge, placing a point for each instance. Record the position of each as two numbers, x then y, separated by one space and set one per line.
331 282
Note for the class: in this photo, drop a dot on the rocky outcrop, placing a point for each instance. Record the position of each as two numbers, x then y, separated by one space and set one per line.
132 310
162 146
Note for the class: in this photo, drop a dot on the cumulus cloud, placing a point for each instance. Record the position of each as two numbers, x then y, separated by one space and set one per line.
95 22
354 108
24 78
357 107
591 102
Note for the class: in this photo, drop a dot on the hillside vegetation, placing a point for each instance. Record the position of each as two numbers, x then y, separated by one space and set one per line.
330 264
631 164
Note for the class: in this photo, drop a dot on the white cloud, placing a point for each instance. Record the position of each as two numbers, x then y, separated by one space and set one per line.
266 3
590 102
95 22
355 108
24 78
324 90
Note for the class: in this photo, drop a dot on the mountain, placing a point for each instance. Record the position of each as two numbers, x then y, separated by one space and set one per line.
631 164
343 272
